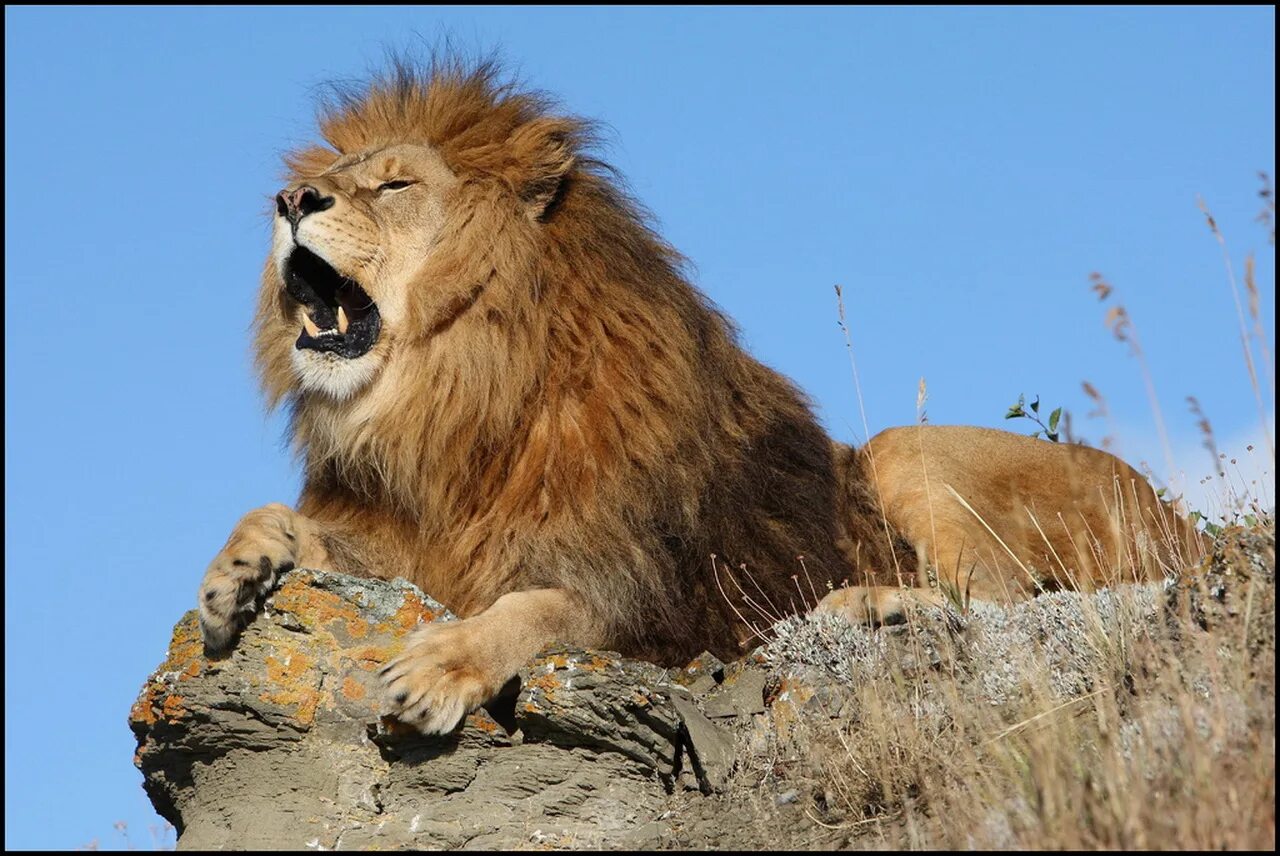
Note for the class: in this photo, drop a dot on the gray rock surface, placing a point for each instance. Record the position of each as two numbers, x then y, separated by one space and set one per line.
281 744
711 748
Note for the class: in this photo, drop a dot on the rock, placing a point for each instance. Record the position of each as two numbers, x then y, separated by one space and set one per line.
805 693
710 748
1237 579
598 700
741 694
281 744
704 673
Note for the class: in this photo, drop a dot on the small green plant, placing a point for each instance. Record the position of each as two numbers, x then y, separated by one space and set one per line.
1212 529
1022 410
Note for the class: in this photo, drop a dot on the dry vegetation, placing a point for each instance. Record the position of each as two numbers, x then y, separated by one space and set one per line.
1135 717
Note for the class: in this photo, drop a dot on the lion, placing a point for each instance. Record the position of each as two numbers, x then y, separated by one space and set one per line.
504 389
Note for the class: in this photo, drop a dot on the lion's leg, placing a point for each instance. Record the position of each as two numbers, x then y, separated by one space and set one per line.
451 668
877 604
266 543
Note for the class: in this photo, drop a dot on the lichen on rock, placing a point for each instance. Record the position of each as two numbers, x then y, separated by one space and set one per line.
282 743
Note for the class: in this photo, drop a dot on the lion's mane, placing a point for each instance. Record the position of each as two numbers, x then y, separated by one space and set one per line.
563 408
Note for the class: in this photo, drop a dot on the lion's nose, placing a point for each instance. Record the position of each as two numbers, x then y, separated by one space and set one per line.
301 201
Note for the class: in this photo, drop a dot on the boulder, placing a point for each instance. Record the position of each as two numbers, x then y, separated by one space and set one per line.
281 743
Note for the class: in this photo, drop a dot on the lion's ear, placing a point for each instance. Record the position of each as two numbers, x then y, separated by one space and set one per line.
542 153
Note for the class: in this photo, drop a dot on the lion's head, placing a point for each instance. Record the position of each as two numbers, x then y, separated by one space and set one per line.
382 236
452 255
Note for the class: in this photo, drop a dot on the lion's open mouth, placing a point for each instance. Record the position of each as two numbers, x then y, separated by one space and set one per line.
337 316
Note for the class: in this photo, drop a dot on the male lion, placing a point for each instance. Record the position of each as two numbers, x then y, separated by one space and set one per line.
506 391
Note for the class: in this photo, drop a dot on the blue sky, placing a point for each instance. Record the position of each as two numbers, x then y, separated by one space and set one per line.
959 172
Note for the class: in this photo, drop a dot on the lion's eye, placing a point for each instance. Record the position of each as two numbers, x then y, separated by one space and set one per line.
399 184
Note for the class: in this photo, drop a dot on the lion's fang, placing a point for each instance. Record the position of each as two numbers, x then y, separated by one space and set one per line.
314 331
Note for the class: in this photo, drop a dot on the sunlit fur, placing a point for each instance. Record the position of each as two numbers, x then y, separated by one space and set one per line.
555 406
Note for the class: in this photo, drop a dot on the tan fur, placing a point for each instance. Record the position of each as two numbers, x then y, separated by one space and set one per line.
1000 517
555 433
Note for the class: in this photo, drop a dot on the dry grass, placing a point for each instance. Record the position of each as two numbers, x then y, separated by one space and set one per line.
1142 718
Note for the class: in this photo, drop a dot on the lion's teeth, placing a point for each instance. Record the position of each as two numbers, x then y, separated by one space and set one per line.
312 330
342 320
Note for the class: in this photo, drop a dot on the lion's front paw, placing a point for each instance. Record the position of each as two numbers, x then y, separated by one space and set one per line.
261 548
877 604
446 671
857 605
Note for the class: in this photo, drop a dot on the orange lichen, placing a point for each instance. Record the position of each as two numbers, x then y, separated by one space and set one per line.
306 701
481 720
547 682
186 648
144 709
184 661
293 689
174 708
290 669
353 689
412 612
317 608
370 657
595 663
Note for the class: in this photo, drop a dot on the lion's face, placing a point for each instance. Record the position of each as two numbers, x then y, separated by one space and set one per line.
347 245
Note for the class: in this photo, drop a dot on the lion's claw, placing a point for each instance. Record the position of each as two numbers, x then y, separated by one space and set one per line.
260 550
442 676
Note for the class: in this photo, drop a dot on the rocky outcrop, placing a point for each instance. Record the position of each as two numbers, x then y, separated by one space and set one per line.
281 744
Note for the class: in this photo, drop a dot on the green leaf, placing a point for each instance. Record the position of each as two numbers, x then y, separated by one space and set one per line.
1160 492
1035 405
1053 436
1036 434
1053 419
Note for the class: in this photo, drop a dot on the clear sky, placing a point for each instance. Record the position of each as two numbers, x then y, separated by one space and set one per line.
959 172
